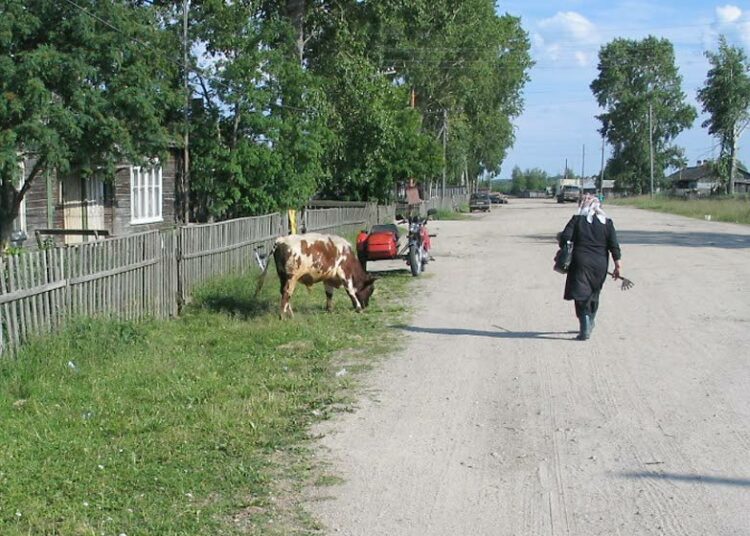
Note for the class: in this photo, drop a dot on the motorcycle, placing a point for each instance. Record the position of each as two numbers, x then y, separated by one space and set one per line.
382 242
418 242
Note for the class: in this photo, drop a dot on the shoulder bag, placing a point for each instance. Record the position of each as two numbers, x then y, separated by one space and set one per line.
564 257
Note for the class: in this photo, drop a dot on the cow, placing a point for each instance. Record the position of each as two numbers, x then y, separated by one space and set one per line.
313 257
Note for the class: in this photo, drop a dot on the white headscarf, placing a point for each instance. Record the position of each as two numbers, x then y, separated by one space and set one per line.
589 207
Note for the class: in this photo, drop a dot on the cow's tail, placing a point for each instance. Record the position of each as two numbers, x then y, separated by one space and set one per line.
262 276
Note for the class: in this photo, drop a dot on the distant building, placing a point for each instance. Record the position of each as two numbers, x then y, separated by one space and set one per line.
588 186
608 186
702 179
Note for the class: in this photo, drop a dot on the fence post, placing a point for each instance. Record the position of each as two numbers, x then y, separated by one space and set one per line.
180 298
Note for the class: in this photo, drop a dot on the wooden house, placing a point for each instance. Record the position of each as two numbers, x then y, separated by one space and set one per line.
607 187
70 208
703 180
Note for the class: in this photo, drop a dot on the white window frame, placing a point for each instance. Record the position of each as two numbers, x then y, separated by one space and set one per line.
19 224
146 195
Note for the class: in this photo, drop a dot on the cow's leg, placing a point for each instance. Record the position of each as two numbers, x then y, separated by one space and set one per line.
329 297
352 292
287 289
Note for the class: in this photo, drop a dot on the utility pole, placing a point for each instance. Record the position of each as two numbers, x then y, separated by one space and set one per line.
601 171
445 146
185 179
651 145
583 164
733 166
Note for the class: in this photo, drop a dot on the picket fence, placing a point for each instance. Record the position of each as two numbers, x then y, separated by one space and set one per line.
129 278
145 275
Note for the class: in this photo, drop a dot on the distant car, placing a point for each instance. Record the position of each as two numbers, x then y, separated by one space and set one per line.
497 198
480 201
569 192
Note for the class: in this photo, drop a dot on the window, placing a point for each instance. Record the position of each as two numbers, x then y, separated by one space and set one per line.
145 194
19 224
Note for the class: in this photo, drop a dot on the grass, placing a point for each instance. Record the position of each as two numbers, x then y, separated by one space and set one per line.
196 426
445 214
727 209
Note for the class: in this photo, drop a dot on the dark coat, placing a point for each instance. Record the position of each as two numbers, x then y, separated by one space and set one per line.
592 242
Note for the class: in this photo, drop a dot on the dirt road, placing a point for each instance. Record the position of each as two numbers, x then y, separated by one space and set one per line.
495 421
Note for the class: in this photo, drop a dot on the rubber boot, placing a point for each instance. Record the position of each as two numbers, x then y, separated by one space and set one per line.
594 309
585 328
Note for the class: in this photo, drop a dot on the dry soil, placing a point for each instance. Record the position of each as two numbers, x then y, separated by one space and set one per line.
493 420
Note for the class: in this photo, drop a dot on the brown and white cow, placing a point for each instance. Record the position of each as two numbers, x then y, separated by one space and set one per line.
311 258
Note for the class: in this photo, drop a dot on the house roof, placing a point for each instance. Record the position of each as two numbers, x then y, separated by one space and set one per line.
694 173
703 171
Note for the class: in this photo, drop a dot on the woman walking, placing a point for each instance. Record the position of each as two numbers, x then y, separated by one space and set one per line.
594 239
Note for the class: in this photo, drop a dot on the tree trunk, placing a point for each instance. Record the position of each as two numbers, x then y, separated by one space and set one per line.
9 208
733 166
296 12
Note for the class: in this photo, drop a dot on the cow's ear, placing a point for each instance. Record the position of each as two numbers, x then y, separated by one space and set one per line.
371 279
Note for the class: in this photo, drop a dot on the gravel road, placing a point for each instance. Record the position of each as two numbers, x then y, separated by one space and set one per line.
493 420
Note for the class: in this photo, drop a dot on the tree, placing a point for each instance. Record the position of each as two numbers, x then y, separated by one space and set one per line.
454 60
639 85
260 136
518 181
725 96
77 94
347 70
464 59
534 179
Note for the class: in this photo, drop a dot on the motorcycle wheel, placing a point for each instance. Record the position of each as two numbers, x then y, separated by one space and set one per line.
363 261
415 260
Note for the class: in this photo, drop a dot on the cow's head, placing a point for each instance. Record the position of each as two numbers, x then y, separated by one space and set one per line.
365 291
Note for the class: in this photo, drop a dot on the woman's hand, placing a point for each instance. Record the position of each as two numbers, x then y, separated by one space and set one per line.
616 272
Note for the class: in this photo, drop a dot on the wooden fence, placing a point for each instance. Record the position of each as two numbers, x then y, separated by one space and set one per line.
214 249
340 220
149 274
129 278
452 203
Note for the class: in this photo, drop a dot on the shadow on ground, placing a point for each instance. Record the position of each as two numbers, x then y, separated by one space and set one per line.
392 272
666 238
693 240
696 479
239 306
503 334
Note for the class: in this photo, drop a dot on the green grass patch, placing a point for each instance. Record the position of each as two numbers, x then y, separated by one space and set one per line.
445 214
726 209
196 426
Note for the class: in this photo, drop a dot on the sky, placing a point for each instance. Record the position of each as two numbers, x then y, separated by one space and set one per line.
559 121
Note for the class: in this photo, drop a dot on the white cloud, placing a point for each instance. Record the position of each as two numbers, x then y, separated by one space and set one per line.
732 22
727 14
573 26
583 58
567 37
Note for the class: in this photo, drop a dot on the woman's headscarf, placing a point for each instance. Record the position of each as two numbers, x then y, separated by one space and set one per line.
590 206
